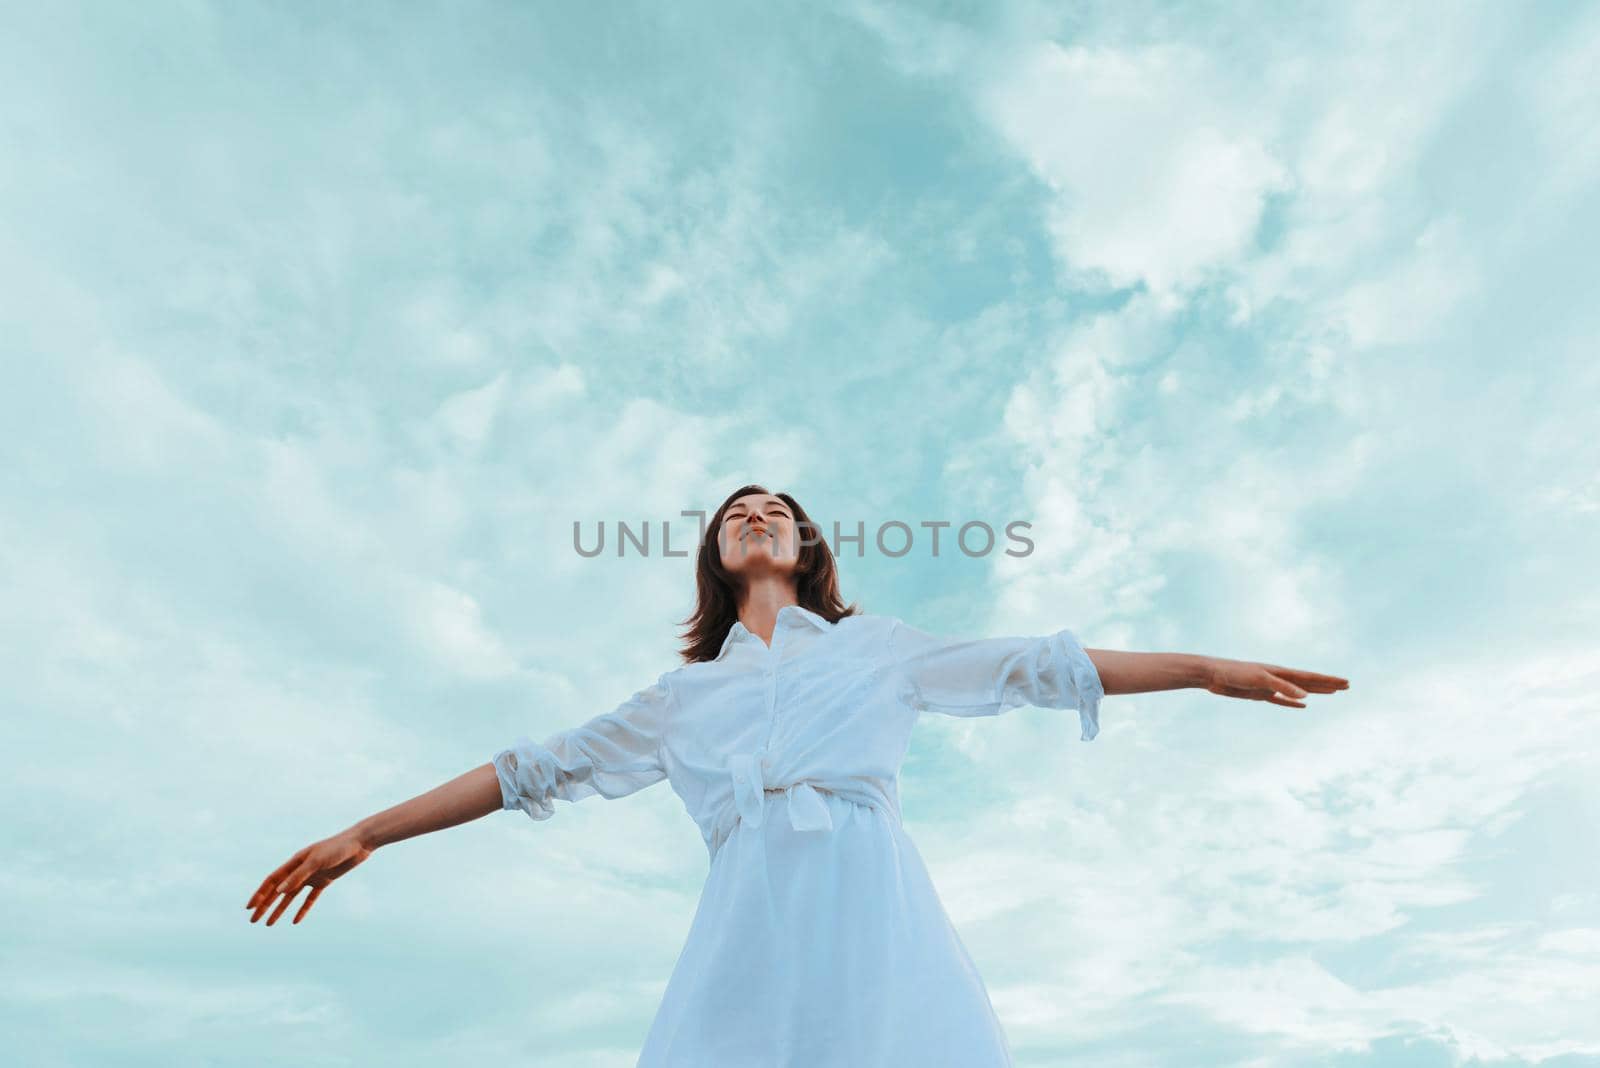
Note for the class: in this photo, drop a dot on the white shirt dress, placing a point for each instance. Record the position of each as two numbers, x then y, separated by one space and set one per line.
818 939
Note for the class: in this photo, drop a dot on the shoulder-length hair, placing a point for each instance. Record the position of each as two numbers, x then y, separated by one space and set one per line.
716 599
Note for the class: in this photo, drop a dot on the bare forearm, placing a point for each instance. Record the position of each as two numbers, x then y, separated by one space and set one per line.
466 797
1124 672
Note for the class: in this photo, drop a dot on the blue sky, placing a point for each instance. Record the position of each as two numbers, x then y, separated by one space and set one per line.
321 327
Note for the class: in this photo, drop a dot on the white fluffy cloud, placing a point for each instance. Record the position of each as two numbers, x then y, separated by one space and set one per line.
1153 179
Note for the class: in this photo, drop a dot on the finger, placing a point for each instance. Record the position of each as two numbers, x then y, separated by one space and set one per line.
291 891
291 887
1313 679
266 903
1319 685
284 884
1311 683
315 891
1261 693
266 890
296 883
261 891
1284 686
277 875
287 898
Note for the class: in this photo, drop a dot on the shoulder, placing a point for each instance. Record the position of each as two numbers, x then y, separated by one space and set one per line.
876 624
865 632
688 674
872 622
672 676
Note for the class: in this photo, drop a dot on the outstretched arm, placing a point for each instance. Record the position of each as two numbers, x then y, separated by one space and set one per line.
1124 672
612 755
468 796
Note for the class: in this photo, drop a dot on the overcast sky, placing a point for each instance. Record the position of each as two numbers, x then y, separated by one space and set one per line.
322 326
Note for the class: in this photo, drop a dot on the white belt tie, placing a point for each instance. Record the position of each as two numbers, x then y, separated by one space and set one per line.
807 810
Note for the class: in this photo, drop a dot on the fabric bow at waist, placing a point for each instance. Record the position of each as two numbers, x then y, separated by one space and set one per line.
807 810
803 799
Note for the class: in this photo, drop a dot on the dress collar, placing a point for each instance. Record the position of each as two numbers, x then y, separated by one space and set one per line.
739 631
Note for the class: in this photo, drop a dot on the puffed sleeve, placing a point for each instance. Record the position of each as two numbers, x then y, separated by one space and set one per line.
988 676
614 754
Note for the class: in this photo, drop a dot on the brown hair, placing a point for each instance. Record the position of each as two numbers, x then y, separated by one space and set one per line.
816 581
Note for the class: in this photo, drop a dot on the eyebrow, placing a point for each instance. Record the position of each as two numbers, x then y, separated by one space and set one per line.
774 503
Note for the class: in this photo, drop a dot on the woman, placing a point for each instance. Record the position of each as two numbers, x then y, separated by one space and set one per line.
819 938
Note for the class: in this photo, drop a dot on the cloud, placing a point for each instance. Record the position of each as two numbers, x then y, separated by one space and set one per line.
1141 192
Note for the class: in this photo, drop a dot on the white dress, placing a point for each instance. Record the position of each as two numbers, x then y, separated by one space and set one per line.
819 939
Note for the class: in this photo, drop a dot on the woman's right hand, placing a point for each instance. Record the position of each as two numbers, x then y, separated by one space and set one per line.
316 865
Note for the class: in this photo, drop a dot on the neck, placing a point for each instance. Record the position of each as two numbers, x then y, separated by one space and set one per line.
763 596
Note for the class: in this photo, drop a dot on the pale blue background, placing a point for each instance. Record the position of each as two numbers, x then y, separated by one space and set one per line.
321 327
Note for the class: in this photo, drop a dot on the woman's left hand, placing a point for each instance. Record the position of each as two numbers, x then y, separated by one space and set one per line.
1268 682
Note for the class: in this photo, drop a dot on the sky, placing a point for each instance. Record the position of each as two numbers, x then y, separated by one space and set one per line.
322 326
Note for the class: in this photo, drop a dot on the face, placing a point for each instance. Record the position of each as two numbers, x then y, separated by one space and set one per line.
759 535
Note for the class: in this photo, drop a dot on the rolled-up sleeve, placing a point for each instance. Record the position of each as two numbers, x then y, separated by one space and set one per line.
988 676
614 754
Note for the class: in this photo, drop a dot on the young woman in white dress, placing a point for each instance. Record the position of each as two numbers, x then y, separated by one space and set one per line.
819 939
